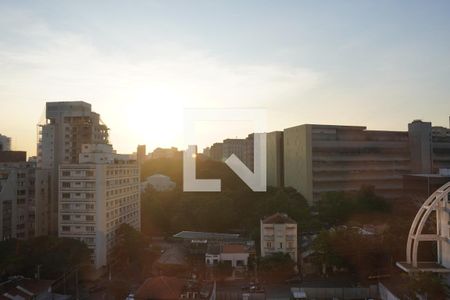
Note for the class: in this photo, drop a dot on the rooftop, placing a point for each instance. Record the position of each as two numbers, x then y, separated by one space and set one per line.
198 235
423 267
278 218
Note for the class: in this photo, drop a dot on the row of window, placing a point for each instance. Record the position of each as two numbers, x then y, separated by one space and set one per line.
78 173
270 245
78 184
77 195
122 172
77 228
111 204
77 206
122 190
121 220
116 182
87 218
120 211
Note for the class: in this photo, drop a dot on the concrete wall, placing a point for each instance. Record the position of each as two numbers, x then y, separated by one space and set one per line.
297 160
275 172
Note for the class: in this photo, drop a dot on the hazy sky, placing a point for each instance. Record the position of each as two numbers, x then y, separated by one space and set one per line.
374 63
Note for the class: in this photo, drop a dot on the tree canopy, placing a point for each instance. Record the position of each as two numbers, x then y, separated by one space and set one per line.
53 255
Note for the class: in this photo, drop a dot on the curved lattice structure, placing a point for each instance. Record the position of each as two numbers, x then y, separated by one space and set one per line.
438 203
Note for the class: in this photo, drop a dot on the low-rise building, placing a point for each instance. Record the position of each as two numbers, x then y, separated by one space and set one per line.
278 234
159 183
236 255
96 196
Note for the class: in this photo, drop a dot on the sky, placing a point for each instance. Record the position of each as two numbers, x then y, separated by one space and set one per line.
141 64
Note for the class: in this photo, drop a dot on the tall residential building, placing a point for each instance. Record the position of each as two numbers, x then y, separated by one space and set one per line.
275 156
141 154
67 126
5 143
279 234
97 195
327 158
17 202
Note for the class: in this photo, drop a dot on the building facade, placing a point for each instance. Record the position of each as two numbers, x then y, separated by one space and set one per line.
67 126
275 156
96 196
5 143
279 234
17 202
327 158
216 151
141 154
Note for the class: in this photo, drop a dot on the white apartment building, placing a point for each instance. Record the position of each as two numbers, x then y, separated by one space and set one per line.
96 196
67 126
279 234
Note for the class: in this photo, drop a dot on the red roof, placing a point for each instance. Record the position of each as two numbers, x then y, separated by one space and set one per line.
278 218
161 287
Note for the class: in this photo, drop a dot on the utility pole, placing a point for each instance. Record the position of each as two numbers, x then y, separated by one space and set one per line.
38 273
76 285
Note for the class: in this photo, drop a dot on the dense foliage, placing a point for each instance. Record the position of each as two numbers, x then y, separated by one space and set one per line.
52 255
275 266
337 207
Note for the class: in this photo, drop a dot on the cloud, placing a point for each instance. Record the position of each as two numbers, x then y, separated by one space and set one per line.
43 63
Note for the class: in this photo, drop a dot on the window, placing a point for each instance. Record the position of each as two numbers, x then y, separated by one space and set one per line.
269 245
66 184
66 228
66 195
90 228
66 173
66 217
281 245
89 218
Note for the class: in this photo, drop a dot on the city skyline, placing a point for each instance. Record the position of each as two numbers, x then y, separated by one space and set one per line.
304 62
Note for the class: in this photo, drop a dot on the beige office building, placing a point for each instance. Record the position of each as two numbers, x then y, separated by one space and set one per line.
329 158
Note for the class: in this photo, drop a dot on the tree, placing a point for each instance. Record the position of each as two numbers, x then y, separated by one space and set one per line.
276 266
129 248
429 284
53 255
